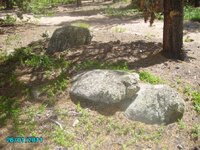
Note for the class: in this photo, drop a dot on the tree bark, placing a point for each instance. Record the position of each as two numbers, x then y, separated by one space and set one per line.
173 29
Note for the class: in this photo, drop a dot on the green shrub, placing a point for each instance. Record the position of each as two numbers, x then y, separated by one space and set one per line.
192 13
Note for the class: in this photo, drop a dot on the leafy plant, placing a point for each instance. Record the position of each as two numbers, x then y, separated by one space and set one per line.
148 77
181 124
196 132
8 21
192 13
63 138
196 100
9 108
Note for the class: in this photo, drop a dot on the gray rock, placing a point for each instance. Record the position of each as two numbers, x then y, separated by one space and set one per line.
104 86
156 104
68 37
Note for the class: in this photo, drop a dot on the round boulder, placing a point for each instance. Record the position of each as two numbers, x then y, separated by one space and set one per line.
156 104
104 86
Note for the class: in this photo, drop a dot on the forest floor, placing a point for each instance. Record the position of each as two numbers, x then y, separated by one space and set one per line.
139 45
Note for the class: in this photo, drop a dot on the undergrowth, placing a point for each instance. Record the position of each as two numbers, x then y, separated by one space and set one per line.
7 21
120 12
88 65
150 78
194 95
192 13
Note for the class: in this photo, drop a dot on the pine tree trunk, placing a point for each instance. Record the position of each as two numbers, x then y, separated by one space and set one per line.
173 29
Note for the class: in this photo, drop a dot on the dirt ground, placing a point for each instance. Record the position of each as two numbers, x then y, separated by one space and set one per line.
134 35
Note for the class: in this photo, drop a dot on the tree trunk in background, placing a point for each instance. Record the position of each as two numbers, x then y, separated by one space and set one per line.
197 3
78 3
9 4
173 29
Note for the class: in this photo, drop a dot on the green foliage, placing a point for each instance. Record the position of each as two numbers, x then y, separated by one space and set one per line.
63 138
28 58
119 29
9 108
181 124
194 96
188 39
159 16
192 13
81 24
148 77
8 21
87 65
196 100
196 132
57 85
115 12
42 6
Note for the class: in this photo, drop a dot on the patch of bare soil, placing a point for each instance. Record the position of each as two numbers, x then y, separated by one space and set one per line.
115 39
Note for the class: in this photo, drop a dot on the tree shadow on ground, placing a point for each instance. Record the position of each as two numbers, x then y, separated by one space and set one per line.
134 53
17 79
116 17
104 109
87 3
104 21
191 26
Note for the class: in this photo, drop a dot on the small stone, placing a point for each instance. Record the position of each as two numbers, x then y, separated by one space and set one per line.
75 122
179 146
177 67
196 148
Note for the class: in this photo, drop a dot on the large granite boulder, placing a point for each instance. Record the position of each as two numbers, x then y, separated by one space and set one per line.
104 86
68 37
156 104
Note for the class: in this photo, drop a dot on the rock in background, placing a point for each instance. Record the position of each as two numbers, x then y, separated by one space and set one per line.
68 37
156 104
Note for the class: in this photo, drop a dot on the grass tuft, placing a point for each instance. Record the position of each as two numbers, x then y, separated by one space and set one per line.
8 21
81 24
196 100
148 77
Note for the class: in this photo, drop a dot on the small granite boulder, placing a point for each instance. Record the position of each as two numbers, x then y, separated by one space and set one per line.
156 104
68 37
104 86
